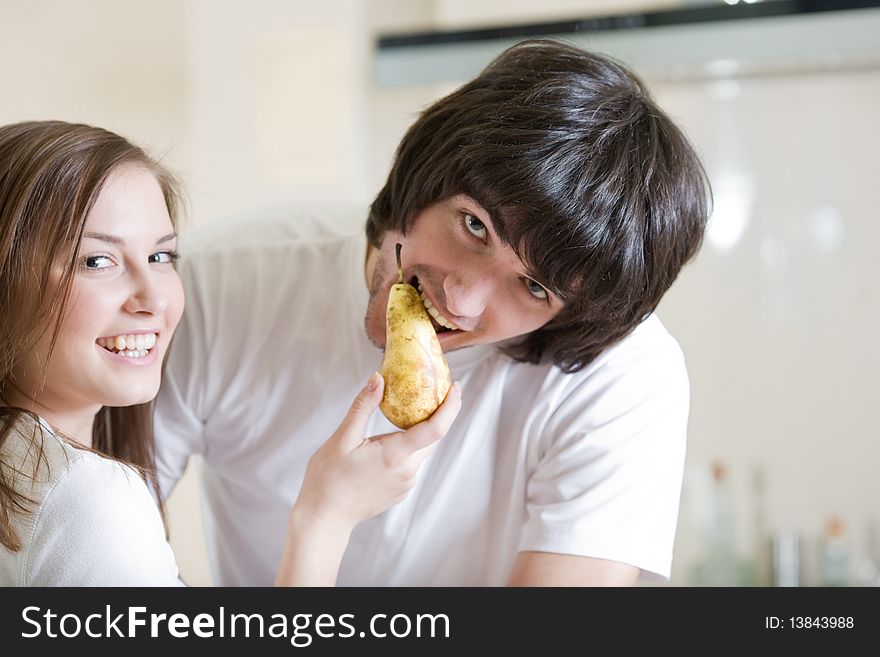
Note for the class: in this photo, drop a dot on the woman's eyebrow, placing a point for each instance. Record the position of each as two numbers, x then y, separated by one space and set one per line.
114 239
104 237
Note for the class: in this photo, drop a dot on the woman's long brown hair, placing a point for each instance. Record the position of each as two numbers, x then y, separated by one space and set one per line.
51 174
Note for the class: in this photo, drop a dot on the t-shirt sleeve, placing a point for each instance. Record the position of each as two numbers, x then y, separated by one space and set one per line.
608 479
99 526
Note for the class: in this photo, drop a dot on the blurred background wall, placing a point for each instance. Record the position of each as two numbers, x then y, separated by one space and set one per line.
275 101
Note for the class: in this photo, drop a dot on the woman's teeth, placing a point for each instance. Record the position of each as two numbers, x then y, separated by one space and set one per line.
433 312
131 346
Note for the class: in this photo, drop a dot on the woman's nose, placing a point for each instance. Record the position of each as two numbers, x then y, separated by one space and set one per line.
147 296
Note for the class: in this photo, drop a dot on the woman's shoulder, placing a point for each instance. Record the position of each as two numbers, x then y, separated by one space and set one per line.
43 465
98 525
36 455
93 520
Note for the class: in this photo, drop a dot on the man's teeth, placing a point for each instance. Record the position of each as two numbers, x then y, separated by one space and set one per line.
433 312
132 346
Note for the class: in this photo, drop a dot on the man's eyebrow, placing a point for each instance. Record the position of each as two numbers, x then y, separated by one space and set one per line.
498 226
478 211
530 273
115 239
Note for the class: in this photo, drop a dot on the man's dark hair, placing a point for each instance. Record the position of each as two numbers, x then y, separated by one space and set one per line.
584 176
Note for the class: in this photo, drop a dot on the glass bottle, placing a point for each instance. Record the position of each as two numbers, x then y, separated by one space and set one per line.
834 554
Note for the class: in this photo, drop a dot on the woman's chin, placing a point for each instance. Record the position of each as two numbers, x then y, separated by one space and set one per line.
134 397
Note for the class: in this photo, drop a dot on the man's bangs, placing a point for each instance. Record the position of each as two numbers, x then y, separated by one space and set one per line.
548 248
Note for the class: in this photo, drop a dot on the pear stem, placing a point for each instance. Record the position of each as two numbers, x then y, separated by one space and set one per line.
399 246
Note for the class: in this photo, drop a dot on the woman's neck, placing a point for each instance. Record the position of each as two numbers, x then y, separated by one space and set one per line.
71 421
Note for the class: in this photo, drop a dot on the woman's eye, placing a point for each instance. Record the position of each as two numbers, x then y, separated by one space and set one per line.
97 262
476 227
164 257
536 290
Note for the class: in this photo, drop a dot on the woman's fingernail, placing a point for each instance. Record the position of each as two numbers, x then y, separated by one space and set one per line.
373 381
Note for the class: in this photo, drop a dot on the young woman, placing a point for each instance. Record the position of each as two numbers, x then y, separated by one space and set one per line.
90 299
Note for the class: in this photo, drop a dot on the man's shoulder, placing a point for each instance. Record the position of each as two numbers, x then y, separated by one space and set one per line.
649 356
284 225
647 363
650 341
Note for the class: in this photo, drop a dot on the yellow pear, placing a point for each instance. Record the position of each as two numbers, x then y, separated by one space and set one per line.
414 368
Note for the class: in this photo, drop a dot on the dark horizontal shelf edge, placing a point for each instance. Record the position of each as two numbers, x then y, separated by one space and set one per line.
624 22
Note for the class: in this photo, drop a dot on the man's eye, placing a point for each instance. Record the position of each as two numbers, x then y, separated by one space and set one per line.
164 257
536 290
97 262
476 227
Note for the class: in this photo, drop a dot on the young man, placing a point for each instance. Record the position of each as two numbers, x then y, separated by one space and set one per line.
544 209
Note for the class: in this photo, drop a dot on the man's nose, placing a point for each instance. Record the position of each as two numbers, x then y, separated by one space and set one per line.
147 295
467 296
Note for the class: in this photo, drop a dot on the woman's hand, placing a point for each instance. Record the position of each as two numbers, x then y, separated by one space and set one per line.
351 478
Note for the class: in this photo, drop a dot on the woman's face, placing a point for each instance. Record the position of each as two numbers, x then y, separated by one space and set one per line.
125 302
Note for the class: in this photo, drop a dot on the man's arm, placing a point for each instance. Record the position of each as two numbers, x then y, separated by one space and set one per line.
608 479
549 569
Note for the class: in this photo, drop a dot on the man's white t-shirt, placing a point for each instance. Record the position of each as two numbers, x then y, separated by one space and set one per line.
272 351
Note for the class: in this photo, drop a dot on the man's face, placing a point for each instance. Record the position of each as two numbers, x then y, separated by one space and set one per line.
474 285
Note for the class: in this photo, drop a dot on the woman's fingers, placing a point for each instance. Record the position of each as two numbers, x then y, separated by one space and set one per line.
350 479
435 427
351 430
399 445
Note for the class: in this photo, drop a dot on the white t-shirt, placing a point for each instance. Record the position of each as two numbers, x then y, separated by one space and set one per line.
272 351
93 522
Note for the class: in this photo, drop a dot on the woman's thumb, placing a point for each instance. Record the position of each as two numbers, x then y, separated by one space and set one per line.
355 423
